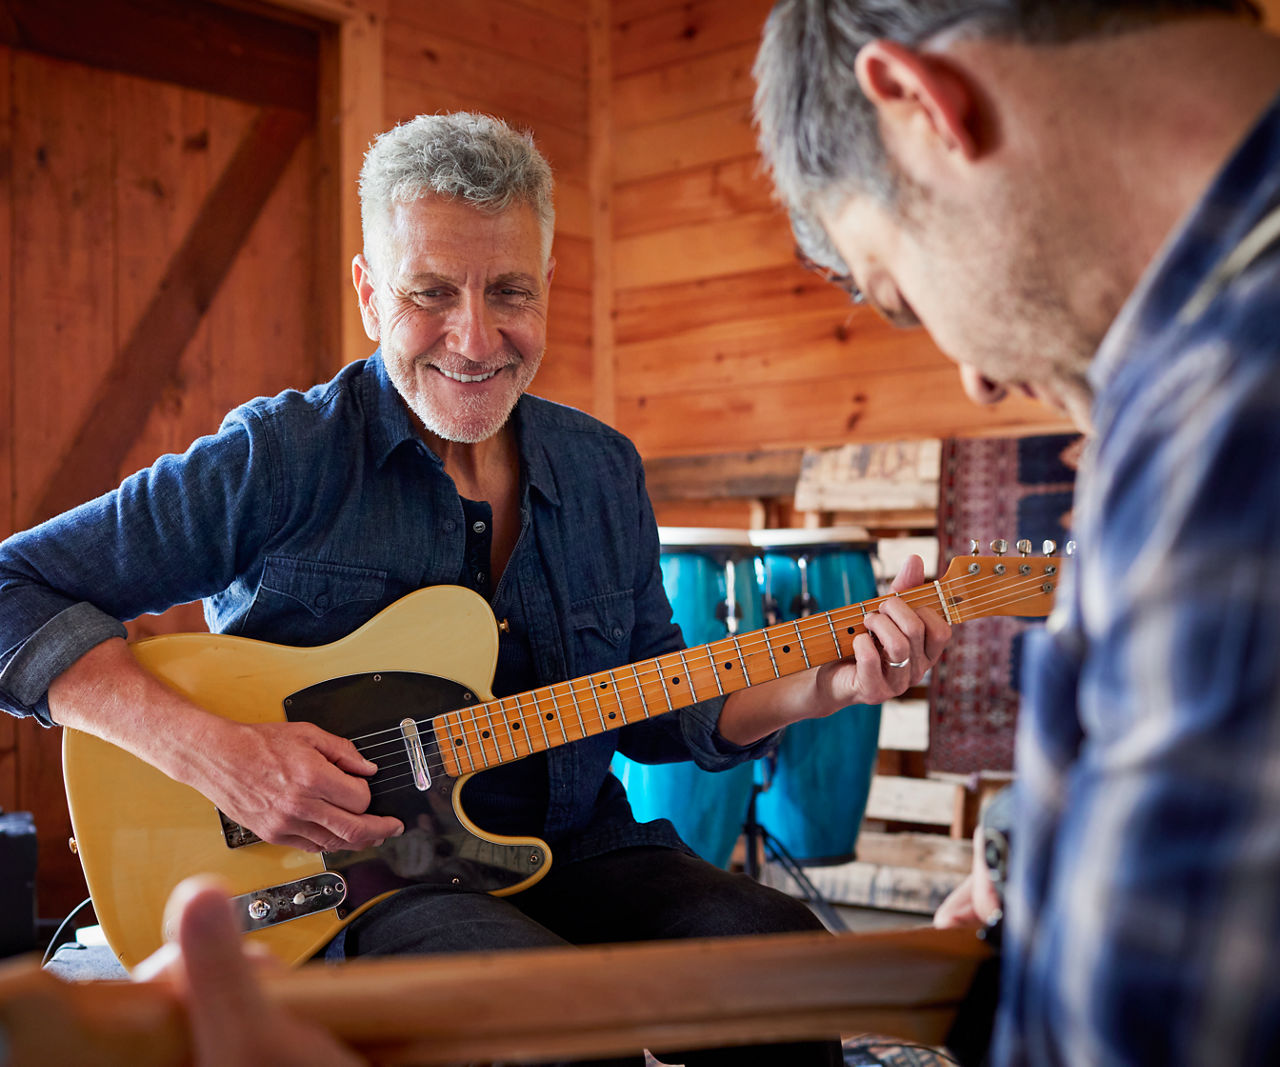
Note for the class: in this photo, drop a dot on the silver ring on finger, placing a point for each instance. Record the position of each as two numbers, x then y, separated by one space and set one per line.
900 663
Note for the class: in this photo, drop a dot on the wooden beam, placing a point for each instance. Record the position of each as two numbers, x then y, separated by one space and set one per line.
600 189
754 475
202 46
144 366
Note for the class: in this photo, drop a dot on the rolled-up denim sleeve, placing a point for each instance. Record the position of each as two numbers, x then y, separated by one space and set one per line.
693 732
170 534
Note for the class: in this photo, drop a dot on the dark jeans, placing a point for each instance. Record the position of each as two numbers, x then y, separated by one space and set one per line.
633 894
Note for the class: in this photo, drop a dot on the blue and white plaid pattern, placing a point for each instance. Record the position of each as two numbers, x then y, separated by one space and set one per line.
1143 916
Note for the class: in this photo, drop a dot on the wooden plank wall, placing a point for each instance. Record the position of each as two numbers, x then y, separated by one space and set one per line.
722 342
525 61
103 173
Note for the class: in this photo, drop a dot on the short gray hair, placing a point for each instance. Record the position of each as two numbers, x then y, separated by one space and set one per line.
818 133
463 155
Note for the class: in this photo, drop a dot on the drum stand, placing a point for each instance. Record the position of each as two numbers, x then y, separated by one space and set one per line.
761 843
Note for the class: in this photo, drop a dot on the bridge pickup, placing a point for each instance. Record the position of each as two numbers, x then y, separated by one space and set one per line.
289 900
417 758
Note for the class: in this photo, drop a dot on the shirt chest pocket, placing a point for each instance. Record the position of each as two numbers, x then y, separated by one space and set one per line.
600 627
307 602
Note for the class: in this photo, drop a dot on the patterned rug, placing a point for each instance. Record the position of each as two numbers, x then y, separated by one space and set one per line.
992 488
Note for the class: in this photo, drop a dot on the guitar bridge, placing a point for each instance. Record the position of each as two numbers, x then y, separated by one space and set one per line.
235 835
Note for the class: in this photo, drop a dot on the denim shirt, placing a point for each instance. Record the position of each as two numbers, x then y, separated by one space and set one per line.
307 513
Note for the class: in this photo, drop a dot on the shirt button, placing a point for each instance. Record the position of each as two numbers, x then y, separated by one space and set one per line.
480 577
478 526
617 632
449 525
322 601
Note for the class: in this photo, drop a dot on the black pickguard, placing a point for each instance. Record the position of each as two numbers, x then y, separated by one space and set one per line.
436 847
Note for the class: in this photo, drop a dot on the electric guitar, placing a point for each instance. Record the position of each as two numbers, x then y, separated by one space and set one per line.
410 689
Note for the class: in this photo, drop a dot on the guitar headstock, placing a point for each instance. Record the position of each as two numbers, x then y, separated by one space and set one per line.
1023 585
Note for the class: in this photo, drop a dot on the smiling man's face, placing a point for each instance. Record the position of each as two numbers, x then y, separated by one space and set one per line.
457 298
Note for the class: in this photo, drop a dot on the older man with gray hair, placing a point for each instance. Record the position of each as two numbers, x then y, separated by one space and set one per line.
429 464
1081 201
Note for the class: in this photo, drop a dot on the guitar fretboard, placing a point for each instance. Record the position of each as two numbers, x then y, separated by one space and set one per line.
499 731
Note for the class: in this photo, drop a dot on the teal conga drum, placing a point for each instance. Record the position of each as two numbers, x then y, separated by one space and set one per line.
819 778
710 576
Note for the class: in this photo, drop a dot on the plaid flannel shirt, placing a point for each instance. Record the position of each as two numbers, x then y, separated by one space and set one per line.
1143 914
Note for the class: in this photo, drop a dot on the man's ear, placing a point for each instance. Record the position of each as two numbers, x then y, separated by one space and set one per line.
362 279
918 96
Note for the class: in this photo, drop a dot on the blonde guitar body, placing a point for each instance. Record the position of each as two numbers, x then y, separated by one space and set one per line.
139 833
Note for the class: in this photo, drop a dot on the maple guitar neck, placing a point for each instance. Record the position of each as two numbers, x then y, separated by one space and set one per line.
486 735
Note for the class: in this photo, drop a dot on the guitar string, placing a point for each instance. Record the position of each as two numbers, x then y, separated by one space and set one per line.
624 692
387 782
516 754
748 645
754 642
462 720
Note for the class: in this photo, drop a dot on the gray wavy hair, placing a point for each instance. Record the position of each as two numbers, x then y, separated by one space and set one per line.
819 134
463 155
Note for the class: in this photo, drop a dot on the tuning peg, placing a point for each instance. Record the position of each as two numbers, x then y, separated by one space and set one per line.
1071 548
1049 548
973 546
1000 547
1024 547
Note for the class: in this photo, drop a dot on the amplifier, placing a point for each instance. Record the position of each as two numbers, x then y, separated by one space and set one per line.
17 883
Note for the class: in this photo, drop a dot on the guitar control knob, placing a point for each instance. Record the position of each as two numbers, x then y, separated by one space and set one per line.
1049 548
1000 547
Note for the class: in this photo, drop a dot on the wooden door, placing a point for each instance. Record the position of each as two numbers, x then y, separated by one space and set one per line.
158 243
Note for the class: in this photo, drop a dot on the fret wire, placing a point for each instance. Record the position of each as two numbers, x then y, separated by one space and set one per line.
662 681
466 742
834 636
644 704
546 741
591 688
556 717
493 731
511 734
768 647
742 661
714 672
688 676
804 652
576 710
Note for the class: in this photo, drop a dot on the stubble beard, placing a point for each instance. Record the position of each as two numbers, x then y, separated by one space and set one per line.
473 419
